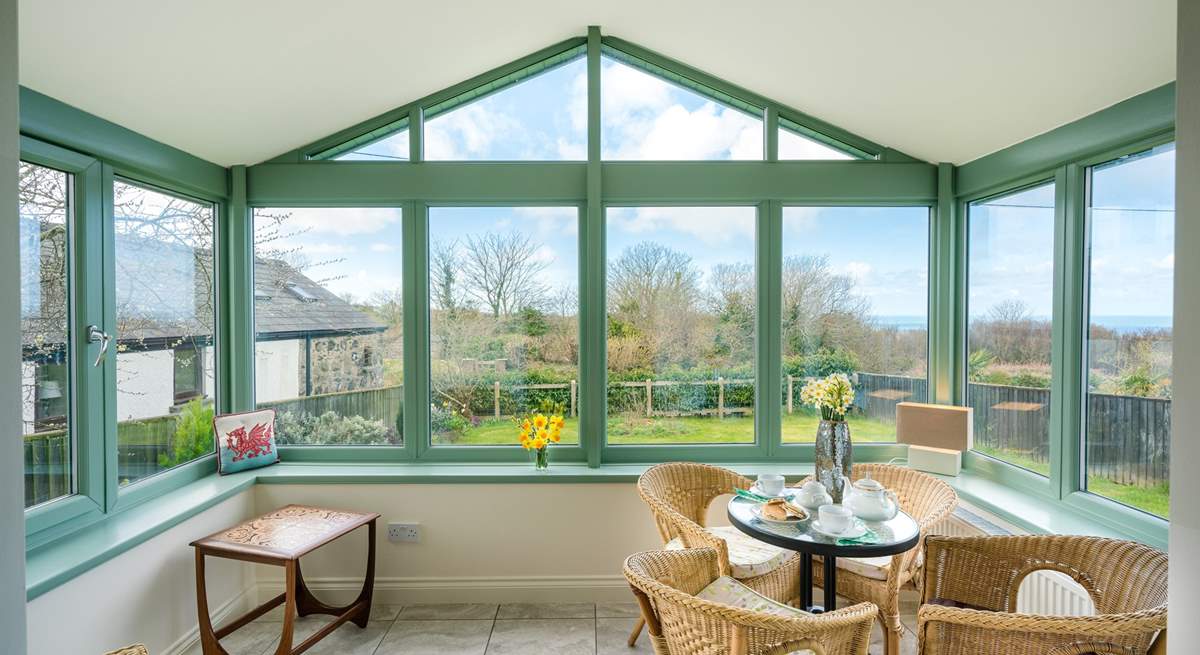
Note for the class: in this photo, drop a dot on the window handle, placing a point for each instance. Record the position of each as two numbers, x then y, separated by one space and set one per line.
96 334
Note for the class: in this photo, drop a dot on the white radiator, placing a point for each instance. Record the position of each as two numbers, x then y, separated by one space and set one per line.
1042 592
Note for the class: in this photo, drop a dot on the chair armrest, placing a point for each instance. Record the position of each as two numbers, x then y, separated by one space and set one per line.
1100 626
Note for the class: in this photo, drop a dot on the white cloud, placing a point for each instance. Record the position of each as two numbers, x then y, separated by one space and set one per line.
341 221
1166 263
858 270
382 247
552 221
795 147
715 226
327 249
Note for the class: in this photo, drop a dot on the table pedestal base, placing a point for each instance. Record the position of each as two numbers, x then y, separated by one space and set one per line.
806 584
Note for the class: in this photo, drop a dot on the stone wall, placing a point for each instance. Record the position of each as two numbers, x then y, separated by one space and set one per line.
346 363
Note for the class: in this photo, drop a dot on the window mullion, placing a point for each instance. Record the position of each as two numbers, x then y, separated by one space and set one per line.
103 272
88 308
1071 307
768 348
415 264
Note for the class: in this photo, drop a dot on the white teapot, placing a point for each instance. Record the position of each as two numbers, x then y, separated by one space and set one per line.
871 501
812 495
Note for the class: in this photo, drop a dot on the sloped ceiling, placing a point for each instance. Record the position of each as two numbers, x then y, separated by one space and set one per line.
238 81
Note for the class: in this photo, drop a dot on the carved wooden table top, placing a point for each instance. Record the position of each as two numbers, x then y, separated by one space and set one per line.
286 533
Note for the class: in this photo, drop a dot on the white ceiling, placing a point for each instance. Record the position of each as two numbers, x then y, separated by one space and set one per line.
237 81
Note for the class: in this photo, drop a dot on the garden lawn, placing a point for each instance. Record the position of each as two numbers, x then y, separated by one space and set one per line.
625 430
1153 499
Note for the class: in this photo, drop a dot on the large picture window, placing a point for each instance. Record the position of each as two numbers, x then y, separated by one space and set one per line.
328 322
1010 297
681 324
44 208
1131 262
166 310
859 310
503 326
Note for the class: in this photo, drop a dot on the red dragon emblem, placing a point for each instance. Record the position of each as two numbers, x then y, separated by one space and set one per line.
243 445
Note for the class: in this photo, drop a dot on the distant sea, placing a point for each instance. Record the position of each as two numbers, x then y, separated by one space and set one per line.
1118 323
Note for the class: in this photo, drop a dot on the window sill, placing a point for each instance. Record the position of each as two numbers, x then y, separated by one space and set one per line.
54 563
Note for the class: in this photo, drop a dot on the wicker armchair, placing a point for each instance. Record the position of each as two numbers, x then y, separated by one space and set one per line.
679 494
970 594
136 649
665 584
879 580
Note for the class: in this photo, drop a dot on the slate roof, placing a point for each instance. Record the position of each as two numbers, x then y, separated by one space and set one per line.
150 275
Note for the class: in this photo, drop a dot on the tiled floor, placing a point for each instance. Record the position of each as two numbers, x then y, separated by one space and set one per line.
462 629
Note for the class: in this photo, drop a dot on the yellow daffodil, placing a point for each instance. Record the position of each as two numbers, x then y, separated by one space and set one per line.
526 426
555 435
539 443
539 421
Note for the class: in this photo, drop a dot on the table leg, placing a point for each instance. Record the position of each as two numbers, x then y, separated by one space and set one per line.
830 583
307 603
289 610
806 581
209 645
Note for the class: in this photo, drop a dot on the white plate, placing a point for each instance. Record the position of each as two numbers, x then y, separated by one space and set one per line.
757 512
788 492
856 530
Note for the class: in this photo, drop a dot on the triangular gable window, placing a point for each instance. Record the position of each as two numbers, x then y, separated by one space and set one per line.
536 114
386 143
648 113
799 143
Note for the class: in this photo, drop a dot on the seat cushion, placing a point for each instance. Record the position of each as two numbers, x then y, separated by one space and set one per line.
748 557
727 591
876 568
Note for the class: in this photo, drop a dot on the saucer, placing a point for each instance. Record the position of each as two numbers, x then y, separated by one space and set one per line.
856 530
788 492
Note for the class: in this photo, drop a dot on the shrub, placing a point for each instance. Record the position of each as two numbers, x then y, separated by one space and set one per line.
193 435
329 428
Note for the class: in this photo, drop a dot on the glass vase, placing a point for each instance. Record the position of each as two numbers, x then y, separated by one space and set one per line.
541 458
833 457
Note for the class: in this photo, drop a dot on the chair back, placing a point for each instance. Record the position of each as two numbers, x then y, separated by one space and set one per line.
925 498
665 583
136 649
684 490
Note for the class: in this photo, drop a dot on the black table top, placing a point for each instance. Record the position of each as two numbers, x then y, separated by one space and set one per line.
897 535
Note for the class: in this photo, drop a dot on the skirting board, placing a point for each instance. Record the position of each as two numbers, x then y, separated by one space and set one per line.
399 591
236 606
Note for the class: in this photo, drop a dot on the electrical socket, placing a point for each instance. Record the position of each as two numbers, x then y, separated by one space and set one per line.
404 532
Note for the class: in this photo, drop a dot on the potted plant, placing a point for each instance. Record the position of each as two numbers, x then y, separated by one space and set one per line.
540 429
832 396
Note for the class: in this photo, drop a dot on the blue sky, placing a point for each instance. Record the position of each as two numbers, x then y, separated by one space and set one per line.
884 249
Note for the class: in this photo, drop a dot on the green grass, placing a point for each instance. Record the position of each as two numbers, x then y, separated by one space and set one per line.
1153 499
625 430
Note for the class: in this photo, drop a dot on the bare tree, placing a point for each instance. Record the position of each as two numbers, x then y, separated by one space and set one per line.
388 305
445 289
501 272
649 278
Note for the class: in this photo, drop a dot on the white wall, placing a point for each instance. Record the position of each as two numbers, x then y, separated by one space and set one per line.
12 478
146 594
276 370
1184 630
518 542
145 384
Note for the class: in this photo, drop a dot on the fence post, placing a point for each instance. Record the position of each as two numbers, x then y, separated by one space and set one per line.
496 398
720 397
789 403
649 399
572 398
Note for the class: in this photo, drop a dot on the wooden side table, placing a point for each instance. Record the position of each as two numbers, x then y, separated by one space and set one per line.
280 538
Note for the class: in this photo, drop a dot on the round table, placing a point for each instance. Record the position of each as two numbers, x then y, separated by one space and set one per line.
897 535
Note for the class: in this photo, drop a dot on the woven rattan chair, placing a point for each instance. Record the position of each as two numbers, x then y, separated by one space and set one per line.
665 584
970 596
879 580
679 494
136 649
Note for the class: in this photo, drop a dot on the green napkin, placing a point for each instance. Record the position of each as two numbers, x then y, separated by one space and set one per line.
866 539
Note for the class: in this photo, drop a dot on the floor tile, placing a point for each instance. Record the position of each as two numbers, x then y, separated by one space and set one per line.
348 639
251 639
463 637
384 612
612 638
447 611
617 610
547 611
530 636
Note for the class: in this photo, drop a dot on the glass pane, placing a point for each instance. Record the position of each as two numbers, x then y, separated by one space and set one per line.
165 307
646 117
793 146
855 300
1131 223
329 324
503 320
1010 278
681 315
44 198
543 117
391 148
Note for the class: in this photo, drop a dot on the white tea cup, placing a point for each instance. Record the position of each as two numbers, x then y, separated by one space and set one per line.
835 518
770 484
